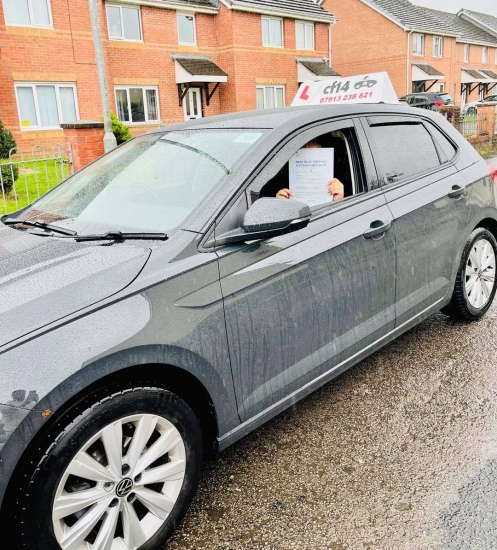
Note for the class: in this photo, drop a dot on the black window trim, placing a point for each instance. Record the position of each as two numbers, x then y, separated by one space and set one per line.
406 119
318 212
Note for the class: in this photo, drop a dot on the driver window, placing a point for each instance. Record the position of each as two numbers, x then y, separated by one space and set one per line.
320 173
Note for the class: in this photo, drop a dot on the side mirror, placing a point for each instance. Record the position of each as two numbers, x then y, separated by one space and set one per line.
268 218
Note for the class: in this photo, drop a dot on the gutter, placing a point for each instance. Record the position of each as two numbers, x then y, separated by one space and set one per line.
408 61
171 5
274 12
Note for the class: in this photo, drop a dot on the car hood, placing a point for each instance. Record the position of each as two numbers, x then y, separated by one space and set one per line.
43 279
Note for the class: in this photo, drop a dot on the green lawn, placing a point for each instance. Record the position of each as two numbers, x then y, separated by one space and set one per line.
35 179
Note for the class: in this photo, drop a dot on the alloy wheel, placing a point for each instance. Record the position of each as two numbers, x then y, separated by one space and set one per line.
480 273
121 486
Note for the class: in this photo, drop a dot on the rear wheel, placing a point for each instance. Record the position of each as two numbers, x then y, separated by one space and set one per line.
120 476
475 283
471 111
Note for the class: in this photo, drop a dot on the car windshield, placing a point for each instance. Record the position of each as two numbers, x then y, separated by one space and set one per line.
149 184
445 97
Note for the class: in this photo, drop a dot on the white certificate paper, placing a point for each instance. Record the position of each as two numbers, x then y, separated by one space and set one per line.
310 171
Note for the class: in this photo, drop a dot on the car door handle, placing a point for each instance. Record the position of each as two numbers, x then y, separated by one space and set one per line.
456 192
377 228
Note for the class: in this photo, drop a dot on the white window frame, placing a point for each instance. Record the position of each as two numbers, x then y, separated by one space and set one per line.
270 45
441 87
484 55
143 89
33 85
121 6
438 51
37 26
467 49
306 24
184 14
415 52
275 87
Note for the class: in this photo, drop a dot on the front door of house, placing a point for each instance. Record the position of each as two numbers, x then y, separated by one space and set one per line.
193 104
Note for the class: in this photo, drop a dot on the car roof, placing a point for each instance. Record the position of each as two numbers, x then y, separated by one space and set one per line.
291 117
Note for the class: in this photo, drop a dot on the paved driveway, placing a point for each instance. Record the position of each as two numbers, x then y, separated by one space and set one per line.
399 453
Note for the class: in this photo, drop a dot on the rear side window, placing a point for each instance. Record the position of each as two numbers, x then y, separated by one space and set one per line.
446 147
402 151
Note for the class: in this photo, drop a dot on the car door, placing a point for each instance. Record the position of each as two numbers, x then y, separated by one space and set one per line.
299 306
429 202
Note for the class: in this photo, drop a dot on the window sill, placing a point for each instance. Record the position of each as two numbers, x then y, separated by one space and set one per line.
122 40
271 47
45 27
135 124
43 129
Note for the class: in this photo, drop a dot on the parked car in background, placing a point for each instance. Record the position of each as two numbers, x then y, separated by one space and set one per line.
471 108
161 303
428 100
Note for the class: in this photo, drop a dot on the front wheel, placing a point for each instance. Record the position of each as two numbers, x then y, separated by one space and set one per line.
119 476
475 283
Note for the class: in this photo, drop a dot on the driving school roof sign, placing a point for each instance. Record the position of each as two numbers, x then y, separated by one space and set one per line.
372 88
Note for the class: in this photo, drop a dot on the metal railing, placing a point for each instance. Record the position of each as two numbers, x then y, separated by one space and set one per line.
24 179
472 126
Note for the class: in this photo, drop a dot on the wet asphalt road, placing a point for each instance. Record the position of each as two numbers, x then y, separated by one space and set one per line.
399 453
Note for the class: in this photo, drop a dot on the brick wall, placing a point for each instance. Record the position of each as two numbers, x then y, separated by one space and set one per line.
366 41
66 54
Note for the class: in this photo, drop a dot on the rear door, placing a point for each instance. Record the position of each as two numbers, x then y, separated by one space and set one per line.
300 305
429 202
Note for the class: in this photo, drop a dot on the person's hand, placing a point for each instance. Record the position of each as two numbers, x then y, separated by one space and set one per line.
336 189
284 194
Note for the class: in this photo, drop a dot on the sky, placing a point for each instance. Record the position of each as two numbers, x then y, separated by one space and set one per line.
453 6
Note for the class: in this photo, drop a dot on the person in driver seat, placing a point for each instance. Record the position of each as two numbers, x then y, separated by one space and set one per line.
277 186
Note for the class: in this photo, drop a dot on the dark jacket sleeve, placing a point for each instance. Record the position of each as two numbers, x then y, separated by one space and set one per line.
279 182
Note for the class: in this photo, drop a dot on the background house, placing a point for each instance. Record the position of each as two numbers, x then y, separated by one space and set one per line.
166 60
422 49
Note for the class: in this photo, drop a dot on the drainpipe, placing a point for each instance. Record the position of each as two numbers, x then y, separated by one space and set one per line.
408 61
109 138
329 44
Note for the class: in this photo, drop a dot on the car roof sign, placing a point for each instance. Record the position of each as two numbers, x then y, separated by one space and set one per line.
369 88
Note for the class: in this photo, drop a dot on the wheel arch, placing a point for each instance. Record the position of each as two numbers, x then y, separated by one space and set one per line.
196 390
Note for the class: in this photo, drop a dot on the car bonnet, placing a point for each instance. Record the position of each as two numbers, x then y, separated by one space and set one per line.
43 279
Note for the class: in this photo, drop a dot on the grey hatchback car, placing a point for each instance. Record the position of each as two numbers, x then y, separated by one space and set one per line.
162 302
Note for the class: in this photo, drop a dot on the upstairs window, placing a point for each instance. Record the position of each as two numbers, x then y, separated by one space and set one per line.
28 13
124 23
466 53
272 32
418 44
305 35
186 29
438 42
484 54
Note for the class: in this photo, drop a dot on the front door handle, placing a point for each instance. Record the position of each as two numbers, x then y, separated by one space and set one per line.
377 228
456 192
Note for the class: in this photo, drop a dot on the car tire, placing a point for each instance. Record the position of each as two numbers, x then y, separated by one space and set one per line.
153 436
471 111
475 285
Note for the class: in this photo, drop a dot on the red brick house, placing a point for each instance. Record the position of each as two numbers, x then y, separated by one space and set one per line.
421 49
166 60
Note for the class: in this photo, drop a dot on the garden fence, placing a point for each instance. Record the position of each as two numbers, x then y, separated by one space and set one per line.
25 178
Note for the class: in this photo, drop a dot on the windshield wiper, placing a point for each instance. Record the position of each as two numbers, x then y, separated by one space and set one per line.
119 236
41 225
198 151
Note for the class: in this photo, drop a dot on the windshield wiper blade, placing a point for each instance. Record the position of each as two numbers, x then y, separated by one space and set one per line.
41 225
119 236
199 152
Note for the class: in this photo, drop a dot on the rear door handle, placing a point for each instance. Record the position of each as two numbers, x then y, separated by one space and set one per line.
377 228
456 192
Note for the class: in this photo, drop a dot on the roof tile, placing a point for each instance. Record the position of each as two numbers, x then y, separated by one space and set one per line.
463 28
302 8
